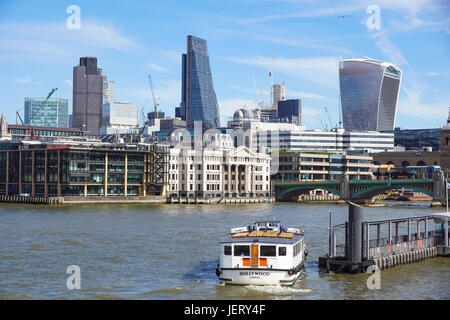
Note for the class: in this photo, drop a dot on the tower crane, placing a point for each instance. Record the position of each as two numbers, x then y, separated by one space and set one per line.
329 119
155 100
271 79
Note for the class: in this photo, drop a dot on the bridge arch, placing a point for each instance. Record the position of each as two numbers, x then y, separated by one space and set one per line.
373 191
298 190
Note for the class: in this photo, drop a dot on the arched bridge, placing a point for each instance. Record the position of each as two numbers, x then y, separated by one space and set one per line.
362 189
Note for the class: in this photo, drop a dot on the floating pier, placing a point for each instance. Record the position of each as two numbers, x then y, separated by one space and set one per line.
384 243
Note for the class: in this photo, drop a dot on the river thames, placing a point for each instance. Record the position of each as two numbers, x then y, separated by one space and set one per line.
131 251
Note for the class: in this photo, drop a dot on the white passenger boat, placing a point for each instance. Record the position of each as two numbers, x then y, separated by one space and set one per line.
263 254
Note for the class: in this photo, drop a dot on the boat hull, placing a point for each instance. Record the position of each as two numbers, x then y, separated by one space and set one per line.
260 276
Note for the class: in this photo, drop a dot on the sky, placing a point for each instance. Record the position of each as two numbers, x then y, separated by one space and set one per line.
303 41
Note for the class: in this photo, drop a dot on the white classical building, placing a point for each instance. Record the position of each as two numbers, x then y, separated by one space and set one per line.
213 168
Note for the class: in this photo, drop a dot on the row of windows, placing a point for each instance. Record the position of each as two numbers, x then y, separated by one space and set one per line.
244 251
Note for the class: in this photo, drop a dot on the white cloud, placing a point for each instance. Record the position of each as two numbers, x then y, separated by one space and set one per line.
51 40
227 107
431 74
22 80
386 46
68 82
303 95
318 70
156 67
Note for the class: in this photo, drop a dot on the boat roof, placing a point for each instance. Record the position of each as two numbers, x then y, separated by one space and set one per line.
267 221
289 238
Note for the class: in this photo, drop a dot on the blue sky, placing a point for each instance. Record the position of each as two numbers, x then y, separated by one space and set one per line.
302 39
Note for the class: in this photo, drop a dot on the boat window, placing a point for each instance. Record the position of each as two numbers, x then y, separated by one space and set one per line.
227 250
268 251
281 251
240 250
297 249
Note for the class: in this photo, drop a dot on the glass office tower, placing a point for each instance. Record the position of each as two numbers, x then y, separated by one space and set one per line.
198 98
369 93
54 113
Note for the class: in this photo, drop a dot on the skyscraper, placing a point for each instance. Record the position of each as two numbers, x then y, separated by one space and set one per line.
290 111
198 98
54 113
369 94
279 93
87 95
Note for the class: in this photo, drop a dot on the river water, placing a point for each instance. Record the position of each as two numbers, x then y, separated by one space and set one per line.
171 252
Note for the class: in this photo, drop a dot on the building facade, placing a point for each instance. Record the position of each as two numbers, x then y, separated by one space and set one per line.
87 95
369 93
218 172
333 140
290 111
81 169
118 117
108 90
418 139
198 98
279 93
309 166
51 113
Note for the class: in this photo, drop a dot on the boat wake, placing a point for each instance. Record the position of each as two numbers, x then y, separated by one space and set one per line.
279 290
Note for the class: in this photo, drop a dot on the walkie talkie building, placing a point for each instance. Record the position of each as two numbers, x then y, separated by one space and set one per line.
369 94
198 98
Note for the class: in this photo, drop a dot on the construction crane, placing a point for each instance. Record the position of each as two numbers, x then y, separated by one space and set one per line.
155 101
271 79
324 126
329 119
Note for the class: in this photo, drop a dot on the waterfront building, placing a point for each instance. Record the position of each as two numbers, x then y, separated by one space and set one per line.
46 113
20 132
298 139
119 117
25 132
406 158
310 166
369 93
87 95
198 98
290 111
81 169
418 139
216 169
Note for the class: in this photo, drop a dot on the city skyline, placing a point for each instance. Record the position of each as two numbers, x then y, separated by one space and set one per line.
308 38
